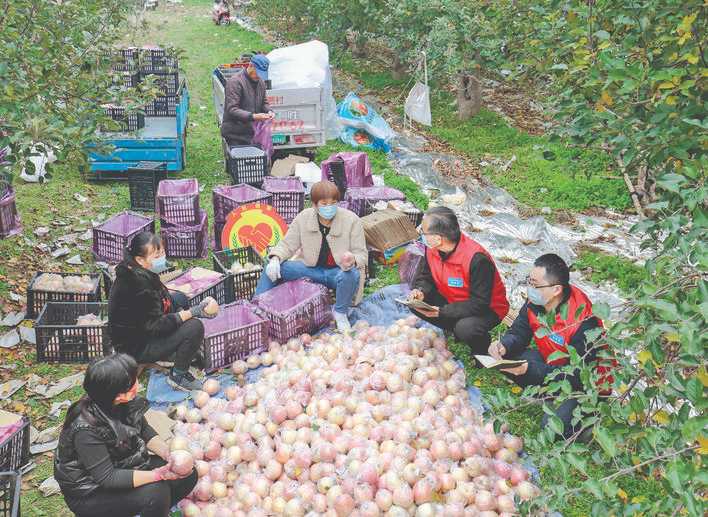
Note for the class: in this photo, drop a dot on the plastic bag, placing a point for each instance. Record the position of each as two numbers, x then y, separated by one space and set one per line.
355 113
263 136
360 138
356 169
417 105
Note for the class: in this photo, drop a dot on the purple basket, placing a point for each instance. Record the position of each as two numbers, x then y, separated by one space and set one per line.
182 241
288 196
215 287
410 261
14 446
360 199
9 218
178 201
357 169
228 198
112 237
294 308
237 332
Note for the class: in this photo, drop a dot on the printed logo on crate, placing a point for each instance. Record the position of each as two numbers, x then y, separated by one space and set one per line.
254 224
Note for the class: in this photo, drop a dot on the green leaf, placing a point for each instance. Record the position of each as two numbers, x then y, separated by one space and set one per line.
601 310
694 390
602 35
606 441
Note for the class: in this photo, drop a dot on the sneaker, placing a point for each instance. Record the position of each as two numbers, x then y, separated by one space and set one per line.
342 321
183 382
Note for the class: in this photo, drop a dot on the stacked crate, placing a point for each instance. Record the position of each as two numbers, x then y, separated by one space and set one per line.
184 227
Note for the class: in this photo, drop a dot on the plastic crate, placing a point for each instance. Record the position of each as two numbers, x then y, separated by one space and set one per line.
162 106
217 289
108 277
337 174
125 59
9 218
112 237
15 447
409 262
60 340
167 82
228 198
288 196
245 164
127 121
10 486
294 308
242 285
125 78
237 332
178 201
360 199
143 180
218 229
37 298
183 241
154 59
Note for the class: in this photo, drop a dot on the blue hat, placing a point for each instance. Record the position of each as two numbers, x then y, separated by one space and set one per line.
261 64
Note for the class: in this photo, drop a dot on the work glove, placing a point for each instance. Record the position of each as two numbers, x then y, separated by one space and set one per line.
198 310
273 269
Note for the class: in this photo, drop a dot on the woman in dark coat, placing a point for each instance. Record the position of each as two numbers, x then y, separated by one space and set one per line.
102 463
149 322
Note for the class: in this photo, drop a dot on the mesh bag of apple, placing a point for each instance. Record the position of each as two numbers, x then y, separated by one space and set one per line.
373 423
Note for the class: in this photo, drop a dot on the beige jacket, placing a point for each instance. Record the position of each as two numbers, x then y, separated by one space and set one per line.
304 238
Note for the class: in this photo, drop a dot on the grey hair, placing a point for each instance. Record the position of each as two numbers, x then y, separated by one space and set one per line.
443 221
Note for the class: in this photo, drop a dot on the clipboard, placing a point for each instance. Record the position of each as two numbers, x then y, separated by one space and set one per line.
416 304
498 364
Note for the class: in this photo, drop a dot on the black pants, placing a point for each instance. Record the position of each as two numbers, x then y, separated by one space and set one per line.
151 500
472 330
535 376
182 346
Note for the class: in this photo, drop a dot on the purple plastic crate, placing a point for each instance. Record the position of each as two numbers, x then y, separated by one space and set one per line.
360 199
228 198
237 332
218 229
357 169
215 286
183 241
14 445
9 218
288 196
112 237
409 262
294 308
178 201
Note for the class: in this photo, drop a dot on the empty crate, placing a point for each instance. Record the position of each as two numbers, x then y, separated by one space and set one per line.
38 292
288 196
185 241
228 198
235 333
14 444
178 201
198 283
10 485
244 266
294 308
60 339
112 237
360 199
245 164
143 180
124 120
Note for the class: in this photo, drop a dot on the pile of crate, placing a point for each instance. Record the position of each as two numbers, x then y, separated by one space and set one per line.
131 66
184 227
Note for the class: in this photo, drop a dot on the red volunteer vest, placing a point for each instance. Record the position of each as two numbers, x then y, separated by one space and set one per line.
563 331
452 276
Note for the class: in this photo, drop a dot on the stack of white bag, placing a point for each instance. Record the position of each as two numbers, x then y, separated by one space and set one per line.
306 66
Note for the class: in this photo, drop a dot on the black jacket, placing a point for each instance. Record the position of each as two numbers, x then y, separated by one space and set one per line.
101 451
242 98
138 308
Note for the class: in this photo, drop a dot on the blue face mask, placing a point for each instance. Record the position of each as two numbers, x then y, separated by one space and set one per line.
534 296
159 264
327 212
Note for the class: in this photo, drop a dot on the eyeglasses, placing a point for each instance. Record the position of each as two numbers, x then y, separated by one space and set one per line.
420 231
529 283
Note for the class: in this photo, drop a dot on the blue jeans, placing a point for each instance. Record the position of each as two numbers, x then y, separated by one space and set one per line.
346 283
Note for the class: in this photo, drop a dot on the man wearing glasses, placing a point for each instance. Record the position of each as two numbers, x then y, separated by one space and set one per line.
549 291
460 280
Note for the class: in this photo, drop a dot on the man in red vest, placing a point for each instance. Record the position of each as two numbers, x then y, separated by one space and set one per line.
549 291
460 280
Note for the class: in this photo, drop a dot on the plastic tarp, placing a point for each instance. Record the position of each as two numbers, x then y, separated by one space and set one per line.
306 66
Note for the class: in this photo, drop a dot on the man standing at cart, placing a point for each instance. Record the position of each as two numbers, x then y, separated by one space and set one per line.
245 102
459 281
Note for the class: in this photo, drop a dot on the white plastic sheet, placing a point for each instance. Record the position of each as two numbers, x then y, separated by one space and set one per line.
417 105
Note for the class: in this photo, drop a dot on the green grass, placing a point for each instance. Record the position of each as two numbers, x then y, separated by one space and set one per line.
601 267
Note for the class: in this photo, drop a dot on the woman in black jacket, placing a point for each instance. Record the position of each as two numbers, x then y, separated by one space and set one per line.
149 322
102 463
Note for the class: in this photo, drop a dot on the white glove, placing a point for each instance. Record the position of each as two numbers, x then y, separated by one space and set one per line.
273 269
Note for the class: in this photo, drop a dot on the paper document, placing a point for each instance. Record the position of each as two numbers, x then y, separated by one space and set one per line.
499 364
416 304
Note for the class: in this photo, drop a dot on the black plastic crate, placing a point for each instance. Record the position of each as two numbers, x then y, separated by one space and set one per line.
242 285
158 60
165 106
126 121
143 180
15 448
249 166
10 486
337 174
61 340
124 59
125 79
168 82
36 299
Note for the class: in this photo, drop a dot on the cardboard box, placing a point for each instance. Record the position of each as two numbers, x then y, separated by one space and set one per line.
386 229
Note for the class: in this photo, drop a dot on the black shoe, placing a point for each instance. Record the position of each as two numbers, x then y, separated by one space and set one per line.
183 381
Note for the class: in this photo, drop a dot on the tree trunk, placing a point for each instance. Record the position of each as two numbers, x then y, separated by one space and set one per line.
398 69
469 95
356 44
